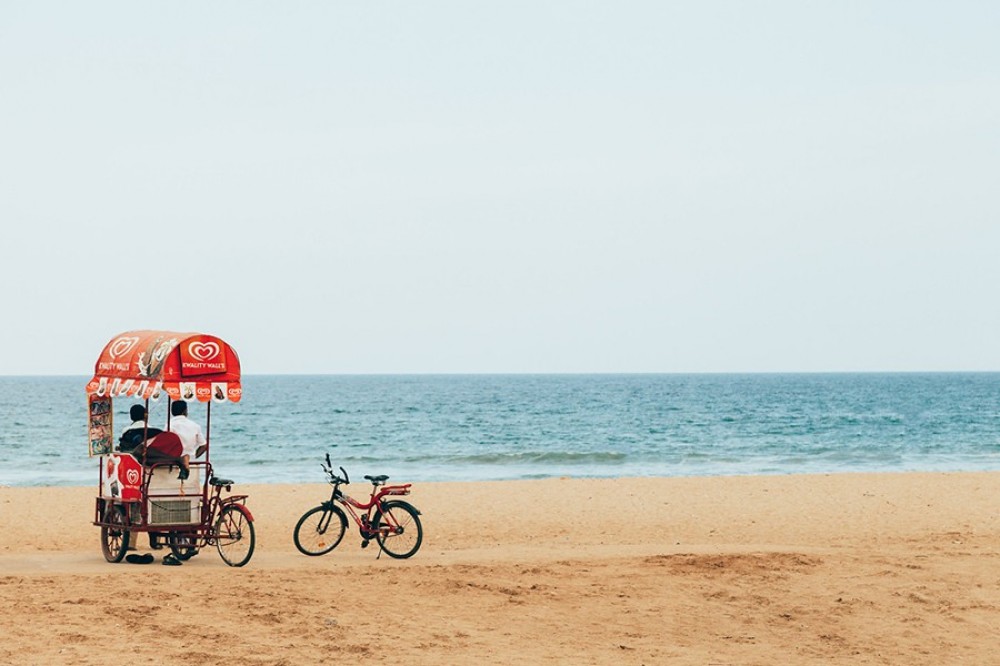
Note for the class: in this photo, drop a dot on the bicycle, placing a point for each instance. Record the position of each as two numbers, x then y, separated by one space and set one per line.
393 524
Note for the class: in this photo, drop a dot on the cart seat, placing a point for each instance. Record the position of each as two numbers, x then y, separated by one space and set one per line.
163 480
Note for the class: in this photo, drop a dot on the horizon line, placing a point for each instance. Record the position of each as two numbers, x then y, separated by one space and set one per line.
562 373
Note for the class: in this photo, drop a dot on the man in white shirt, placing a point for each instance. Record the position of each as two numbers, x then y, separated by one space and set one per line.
189 433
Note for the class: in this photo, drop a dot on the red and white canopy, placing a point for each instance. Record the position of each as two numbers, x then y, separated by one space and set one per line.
186 366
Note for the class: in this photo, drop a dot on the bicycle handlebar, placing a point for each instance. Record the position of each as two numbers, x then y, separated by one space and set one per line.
328 468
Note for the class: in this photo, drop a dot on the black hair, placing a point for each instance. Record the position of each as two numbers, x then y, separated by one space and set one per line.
137 413
178 407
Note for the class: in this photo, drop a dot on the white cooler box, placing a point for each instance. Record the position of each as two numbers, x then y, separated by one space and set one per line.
170 501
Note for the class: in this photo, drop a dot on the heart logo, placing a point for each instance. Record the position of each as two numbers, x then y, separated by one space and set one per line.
203 351
133 477
122 346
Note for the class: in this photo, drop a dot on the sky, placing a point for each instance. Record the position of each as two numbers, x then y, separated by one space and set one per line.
515 187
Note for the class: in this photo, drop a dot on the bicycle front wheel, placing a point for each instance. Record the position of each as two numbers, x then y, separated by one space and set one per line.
320 530
399 530
234 535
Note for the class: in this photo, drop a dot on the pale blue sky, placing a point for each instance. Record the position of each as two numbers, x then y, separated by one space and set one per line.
505 187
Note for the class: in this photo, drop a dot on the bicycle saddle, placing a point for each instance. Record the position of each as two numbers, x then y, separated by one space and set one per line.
377 480
220 482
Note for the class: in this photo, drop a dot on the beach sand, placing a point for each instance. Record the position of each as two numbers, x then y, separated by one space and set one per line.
846 568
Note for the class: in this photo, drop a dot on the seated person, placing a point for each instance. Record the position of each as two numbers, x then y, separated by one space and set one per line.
193 443
134 440
136 434
157 446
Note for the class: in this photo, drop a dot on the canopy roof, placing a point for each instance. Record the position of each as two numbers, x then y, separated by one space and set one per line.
185 365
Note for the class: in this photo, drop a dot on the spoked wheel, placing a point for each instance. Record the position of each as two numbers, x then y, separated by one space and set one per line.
320 530
235 536
182 545
399 530
115 536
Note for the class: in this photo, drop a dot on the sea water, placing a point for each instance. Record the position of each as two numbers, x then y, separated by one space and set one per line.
475 427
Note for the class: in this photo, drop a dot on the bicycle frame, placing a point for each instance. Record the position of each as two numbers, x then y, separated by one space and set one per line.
204 533
353 506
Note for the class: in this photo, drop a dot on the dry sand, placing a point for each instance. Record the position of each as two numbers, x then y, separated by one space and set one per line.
849 569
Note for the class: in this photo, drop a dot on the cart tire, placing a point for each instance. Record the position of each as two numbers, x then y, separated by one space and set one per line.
234 535
114 536
408 534
180 543
320 530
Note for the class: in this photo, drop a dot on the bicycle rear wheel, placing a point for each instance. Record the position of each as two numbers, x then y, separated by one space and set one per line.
320 530
399 530
234 535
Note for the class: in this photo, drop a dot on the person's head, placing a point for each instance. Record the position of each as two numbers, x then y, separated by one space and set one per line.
137 413
179 408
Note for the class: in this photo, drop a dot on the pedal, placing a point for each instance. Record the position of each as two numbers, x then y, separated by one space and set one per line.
364 544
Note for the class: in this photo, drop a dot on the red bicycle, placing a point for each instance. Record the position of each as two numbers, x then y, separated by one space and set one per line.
393 524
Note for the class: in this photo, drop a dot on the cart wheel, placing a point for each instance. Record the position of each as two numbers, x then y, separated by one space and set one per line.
114 536
181 545
234 535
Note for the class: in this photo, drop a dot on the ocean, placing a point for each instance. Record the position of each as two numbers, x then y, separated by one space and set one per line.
479 427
